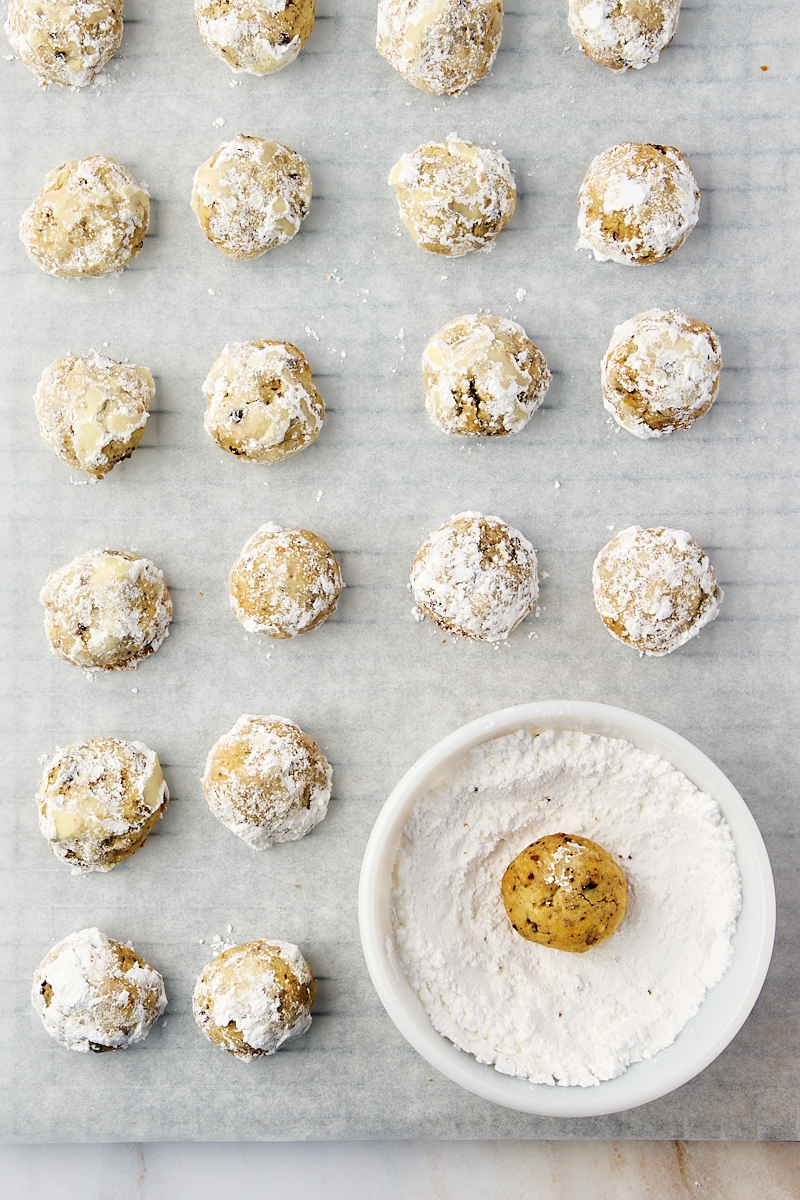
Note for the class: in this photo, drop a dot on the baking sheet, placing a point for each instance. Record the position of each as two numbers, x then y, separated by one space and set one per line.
371 686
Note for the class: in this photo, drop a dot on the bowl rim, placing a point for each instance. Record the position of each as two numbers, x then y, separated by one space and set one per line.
725 1007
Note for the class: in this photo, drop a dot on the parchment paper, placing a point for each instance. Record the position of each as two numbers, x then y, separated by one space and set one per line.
371 686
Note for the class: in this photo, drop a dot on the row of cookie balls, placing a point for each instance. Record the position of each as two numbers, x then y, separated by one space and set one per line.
637 204
96 994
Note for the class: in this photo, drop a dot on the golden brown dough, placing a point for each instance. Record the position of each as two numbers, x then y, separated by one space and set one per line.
285 582
620 34
257 36
440 46
65 41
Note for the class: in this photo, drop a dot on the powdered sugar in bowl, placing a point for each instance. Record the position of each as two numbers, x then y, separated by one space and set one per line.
731 967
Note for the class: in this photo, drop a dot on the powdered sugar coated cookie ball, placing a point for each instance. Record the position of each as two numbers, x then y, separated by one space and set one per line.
654 588
475 577
660 372
483 376
637 204
267 781
454 197
285 582
257 36
65 41
621 34
96 994
440 46
251 195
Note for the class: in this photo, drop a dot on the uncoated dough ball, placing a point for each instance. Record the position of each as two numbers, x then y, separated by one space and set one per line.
252 999
637 204
251 195
96 994
99 800
267 781
90 218
92 411
440 46
660 372
258 36
621 34
285 582
654 588
65 41
262 405
106 610
454 197
483 376
475 577
566 892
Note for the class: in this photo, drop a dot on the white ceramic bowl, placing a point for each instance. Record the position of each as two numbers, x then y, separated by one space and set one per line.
725 1007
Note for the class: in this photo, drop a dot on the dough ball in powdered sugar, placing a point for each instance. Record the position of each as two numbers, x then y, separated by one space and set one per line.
106 610
621 34
475 577
251 1000
65 41
483 376
637 204
90 218
440 46
654 588
660 372
285 582
96 994
267 781
99 800
251 195
454 197
257 36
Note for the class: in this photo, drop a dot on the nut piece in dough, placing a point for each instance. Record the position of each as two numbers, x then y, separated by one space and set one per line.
454 197
251 195
252 999
257 36
96 994
566 892
475 577
440 46
65 41
483 376
99 800
660 372
92 411
621 34
106 610
267 781
654 588
637 204
262 405
285 582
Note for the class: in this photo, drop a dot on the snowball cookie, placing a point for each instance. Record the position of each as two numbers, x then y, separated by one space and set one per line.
65 41
251 195
90 218
621 34
99 800
637 204
285 582
483 376
252 999
441 46
106 610
95 994
454 197
654 588
566 892
258 36
261 401
660 372
267 781
475 577
92 411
